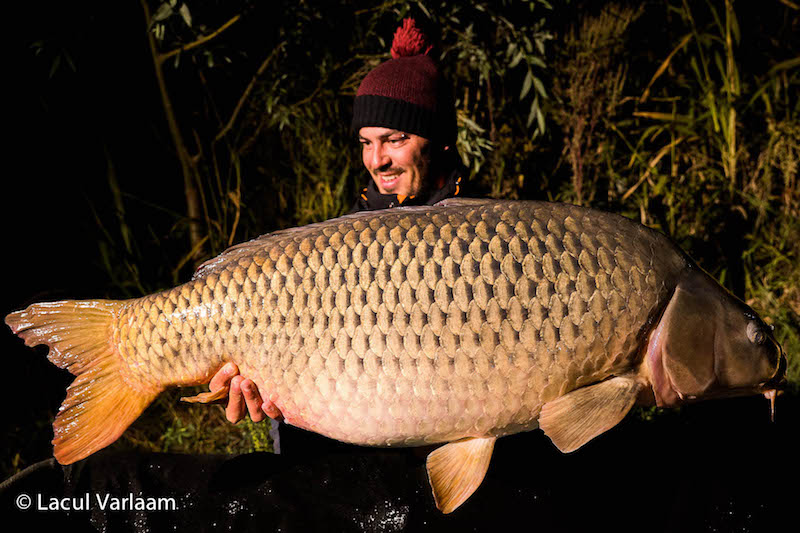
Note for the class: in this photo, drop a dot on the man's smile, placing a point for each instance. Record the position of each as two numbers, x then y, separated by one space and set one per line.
390 180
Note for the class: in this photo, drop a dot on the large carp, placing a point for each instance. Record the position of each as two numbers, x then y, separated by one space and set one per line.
455 324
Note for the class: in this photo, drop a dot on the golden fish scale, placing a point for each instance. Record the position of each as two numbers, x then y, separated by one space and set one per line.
416 325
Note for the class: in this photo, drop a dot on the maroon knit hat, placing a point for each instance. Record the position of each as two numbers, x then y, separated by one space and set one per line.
407 92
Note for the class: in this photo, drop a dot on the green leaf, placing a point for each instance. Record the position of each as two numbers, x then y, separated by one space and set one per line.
540 119
784 65
537 83
54 66
163 12
531 115
526 85
187 17
536 62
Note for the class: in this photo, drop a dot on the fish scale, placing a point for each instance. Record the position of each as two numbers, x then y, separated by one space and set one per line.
412 326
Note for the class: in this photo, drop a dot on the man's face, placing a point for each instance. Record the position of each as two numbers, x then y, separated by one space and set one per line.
398 162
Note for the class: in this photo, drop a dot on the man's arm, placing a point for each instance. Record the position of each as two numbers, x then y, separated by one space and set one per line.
243 394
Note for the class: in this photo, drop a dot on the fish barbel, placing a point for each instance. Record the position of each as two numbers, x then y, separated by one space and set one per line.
456 324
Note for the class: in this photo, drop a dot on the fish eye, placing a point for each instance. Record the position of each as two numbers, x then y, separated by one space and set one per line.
755 333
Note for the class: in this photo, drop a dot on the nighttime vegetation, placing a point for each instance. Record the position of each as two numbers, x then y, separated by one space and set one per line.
210 123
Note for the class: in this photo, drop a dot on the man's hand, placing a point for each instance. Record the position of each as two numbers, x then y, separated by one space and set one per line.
243 394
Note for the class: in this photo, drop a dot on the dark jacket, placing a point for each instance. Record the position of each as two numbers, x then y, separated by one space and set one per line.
370 199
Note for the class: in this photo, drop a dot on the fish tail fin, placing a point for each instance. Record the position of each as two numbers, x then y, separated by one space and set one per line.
100 403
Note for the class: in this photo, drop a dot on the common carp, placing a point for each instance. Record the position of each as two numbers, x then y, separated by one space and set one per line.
453 324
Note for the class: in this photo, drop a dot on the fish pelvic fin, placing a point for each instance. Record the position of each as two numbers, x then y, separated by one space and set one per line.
100 403
457 469
579 416
220 395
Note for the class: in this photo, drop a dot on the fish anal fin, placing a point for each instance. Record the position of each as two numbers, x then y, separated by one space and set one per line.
209 397
457 469
579 416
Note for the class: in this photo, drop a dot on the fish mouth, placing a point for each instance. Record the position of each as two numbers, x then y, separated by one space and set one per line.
770 389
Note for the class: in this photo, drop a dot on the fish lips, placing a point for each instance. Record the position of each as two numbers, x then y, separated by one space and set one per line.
777 383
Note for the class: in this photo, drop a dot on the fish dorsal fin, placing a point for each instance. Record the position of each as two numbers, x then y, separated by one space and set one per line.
220 262
457 469
263 242
581 415
280 237
464 202
244 249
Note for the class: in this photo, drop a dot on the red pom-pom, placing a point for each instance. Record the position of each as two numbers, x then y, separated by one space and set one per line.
409 41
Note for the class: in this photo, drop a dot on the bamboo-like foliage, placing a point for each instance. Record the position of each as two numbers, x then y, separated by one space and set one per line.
693 145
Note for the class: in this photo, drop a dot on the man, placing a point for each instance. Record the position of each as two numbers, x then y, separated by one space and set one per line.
405 120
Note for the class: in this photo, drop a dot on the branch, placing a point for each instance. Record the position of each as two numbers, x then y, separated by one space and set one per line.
247 92
190 191
204 39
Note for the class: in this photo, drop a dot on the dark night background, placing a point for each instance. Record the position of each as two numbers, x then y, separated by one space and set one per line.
716 466
60 130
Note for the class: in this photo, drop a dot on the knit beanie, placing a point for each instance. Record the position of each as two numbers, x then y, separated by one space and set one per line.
408 92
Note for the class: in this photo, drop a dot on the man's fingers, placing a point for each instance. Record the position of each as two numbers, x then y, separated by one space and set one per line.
252 398
223 376
272 410
235 409
243 396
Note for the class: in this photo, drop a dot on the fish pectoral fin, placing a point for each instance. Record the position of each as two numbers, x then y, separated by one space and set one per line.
457 469
581 415
209 397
